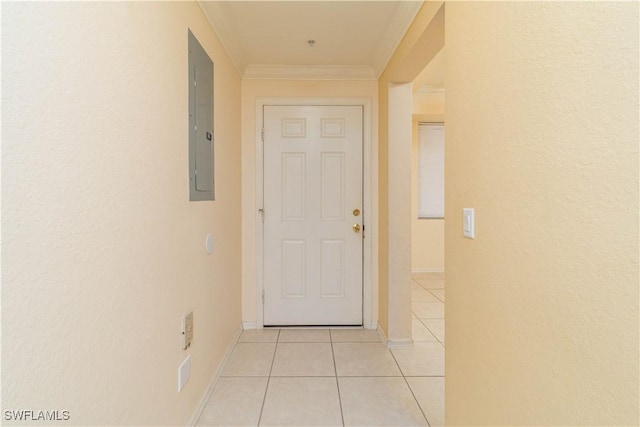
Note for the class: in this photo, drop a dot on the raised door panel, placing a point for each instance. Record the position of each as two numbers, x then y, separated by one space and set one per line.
333 268
332 186
293 269
293 192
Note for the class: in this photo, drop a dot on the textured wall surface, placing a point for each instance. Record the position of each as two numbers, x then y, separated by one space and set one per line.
102 253
542 140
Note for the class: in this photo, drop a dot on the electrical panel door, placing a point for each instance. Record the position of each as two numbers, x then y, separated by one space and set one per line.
201 154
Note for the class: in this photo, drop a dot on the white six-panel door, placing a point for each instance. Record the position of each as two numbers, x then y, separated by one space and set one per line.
313 219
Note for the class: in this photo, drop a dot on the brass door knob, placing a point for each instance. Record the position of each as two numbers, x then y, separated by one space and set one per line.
356 228
356 212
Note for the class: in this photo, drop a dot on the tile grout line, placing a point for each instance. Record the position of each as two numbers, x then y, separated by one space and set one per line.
437 339
335 370
410 389
438 298
418 283
428 329
264 399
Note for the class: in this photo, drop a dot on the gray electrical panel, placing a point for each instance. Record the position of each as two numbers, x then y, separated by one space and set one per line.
201 157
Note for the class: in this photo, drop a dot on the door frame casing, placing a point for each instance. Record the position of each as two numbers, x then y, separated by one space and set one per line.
369 295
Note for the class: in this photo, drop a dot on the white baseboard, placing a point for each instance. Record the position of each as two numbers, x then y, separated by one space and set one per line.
394 343
372 325
216 375
399 343
427 271
249 325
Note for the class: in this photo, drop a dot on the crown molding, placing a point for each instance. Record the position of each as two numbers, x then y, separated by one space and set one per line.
396 30
310 72
215 11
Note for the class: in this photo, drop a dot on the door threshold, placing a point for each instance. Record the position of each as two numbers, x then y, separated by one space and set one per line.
314 327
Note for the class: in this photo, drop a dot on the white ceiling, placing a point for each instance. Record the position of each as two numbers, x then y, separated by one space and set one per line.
353 39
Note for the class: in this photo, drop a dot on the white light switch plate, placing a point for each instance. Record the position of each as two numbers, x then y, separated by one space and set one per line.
468 223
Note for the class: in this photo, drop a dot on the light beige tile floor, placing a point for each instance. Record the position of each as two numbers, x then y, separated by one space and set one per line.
423 364
250 360
421 332
424 359
429 311
310 359
235 402
302 402
364 359
379 401
429 392
337 377
435 326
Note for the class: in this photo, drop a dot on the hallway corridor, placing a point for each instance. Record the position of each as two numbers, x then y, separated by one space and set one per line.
337 377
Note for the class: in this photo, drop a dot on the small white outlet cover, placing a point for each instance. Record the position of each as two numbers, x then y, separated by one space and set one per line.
184 372
186 332
468 223
208 243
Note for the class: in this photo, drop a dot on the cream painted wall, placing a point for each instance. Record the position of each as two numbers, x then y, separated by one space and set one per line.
429 104
542 140
251 91
102 253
